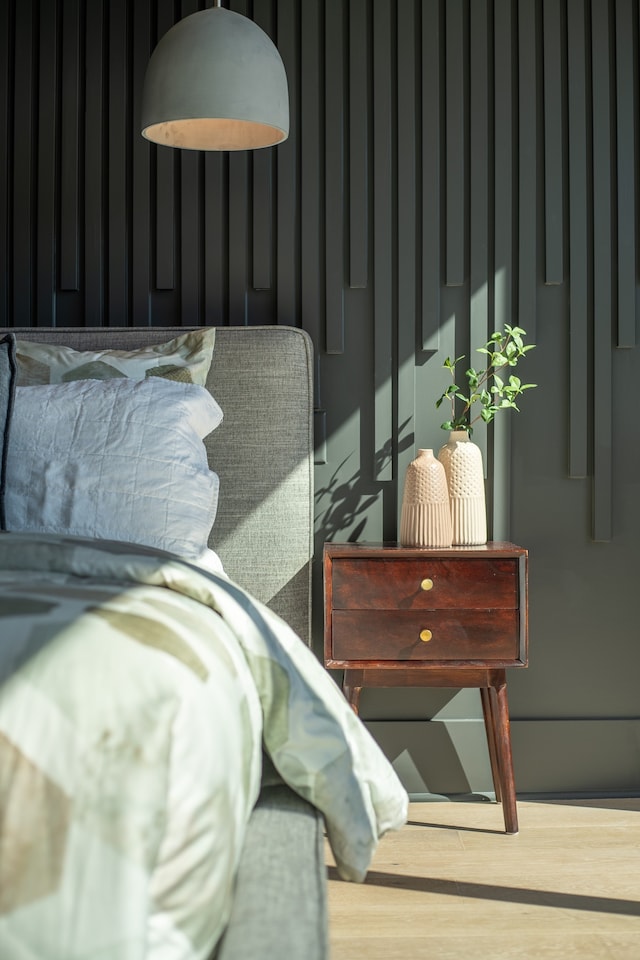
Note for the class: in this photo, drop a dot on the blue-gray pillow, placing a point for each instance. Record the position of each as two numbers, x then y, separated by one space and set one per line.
7 392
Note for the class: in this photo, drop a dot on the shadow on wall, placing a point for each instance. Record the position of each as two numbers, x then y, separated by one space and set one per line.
343 505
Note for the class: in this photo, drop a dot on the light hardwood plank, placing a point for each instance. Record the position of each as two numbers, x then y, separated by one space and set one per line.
451 883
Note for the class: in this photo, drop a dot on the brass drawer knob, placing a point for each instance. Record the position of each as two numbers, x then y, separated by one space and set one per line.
425 635
426 584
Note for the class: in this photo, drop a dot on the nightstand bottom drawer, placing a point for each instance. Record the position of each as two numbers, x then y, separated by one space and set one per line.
476 635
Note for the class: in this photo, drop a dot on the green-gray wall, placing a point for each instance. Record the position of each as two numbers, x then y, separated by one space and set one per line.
451 166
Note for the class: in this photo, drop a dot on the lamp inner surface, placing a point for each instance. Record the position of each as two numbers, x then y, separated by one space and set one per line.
208 133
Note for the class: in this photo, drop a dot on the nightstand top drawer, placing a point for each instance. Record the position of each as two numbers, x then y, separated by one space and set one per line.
424 584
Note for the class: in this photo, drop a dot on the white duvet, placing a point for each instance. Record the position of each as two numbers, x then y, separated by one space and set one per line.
136 694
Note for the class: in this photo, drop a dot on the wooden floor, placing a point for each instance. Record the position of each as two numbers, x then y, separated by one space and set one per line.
451 886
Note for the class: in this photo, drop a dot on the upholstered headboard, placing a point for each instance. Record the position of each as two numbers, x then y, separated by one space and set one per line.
263 452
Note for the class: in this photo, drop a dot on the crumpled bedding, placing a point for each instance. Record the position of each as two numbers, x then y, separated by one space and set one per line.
137 693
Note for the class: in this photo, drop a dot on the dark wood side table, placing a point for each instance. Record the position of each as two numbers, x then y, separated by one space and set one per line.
451 617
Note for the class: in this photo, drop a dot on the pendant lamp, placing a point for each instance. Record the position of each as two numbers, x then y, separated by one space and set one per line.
215 81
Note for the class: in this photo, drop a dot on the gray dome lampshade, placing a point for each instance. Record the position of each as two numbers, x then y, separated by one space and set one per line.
215 81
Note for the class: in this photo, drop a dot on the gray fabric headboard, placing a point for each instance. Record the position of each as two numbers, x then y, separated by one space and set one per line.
263 452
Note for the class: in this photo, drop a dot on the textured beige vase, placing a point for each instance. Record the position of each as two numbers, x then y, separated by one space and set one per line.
462 462
426 518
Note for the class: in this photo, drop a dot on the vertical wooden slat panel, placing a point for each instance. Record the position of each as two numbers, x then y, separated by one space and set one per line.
140 173
69 251
480 189
215 236
432 150
553 160
216 272
627 104
579 204
334 174
6 59
383 172
238 222
288 175
93 280
503 162
238 231
262 218
456 142
311 233
165 162
190 223
117 167
358 144
406 172
503 244
263 182
527 181
47 166
23 141
601 53
165 219
407 233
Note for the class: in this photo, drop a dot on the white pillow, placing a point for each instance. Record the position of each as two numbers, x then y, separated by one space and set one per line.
115 459
186 358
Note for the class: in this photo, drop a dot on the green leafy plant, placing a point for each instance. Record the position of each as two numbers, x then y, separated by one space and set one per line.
490 389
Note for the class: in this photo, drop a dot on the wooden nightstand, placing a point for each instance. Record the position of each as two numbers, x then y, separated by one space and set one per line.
453 617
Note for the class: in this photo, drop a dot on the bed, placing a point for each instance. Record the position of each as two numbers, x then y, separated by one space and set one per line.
172 753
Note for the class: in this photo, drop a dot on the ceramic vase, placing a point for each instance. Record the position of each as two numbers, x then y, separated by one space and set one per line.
426 518
462 462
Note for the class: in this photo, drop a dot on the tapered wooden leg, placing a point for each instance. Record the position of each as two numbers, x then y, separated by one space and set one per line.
352 688
502 733
489 727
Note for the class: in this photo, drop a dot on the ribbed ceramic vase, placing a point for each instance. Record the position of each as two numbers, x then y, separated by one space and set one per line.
462 462
426 518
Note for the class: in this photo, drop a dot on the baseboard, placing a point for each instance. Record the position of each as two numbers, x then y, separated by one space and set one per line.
565 757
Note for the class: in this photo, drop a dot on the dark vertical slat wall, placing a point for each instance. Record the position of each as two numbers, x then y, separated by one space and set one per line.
448 162
452 165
